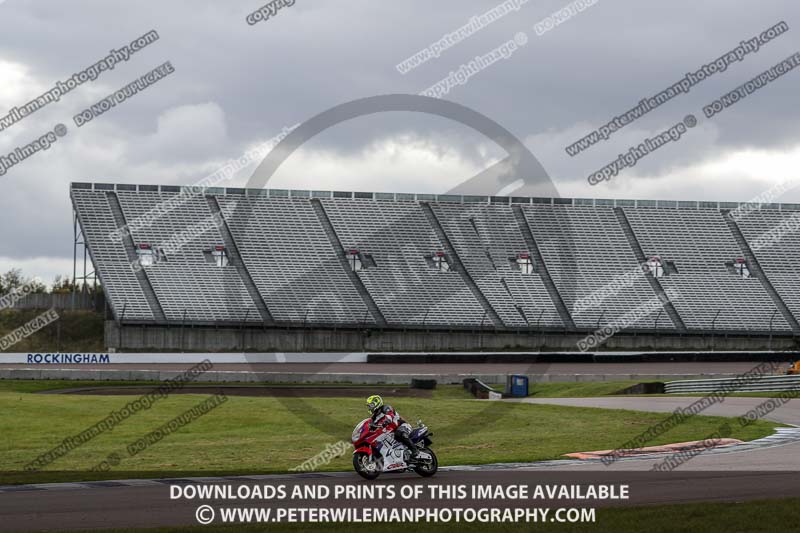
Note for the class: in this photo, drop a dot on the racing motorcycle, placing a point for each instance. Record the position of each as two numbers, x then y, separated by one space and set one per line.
377 451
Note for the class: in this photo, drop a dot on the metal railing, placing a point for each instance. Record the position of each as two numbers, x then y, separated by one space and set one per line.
420 197
761 384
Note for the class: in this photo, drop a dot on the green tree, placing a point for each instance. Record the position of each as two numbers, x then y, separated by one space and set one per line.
62 285
13 279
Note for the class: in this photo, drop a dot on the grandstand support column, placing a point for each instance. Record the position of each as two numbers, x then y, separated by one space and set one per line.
238 263
677 321
75 226
549 284
541 331
183 325
79 241
600 319
337 246
755 269
130 249
459 265
119 324
771 319
714 329
243 330
658 315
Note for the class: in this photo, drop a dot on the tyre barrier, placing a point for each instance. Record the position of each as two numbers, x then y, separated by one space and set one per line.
656 387
426 384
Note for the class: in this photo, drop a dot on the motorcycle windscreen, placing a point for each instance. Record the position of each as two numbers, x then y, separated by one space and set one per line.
358 430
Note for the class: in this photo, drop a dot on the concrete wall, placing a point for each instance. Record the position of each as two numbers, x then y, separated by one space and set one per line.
323 377
208 339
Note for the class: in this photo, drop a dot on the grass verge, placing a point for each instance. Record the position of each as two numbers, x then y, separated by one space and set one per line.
582 389
74 331
271 435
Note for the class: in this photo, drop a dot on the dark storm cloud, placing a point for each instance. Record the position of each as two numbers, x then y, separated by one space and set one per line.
237 84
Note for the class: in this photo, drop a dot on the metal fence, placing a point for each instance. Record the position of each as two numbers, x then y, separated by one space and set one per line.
85 301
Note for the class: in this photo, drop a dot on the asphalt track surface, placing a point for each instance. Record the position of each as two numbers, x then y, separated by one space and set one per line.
433 368
745 472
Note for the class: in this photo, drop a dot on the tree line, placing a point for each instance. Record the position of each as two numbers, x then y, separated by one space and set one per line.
14 279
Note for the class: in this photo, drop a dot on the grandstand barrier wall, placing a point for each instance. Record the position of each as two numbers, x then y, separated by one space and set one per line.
190 338
320 377
578 357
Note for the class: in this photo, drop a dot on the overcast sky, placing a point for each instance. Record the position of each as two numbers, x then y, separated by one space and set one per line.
236 85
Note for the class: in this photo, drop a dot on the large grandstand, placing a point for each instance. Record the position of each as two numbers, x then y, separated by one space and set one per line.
469 271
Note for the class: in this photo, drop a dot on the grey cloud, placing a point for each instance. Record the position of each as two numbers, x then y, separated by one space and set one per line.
237 84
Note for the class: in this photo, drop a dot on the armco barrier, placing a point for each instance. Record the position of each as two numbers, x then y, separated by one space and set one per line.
760 384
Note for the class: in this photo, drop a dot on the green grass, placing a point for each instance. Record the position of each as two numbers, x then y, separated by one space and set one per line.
31 385
74 331
272 435
569 389
443 392
572 389
748 517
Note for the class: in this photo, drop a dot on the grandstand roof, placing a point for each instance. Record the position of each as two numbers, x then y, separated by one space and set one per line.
423 197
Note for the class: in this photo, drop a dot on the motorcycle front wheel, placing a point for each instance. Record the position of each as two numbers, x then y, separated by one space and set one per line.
365 467
429 468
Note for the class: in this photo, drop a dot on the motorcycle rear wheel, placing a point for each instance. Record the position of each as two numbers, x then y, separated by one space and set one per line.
428 469
360 462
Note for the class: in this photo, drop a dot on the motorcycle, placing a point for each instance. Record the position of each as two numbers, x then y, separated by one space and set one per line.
377 451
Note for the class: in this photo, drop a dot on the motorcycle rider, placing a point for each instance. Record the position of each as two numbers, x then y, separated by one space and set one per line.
384 415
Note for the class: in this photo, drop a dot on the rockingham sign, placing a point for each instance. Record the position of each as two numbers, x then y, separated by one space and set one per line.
68 358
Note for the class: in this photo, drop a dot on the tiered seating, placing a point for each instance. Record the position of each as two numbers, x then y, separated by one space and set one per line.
585 251
487 240
295 260
403 284
292 262
779 260
109 256
188 287
700 244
